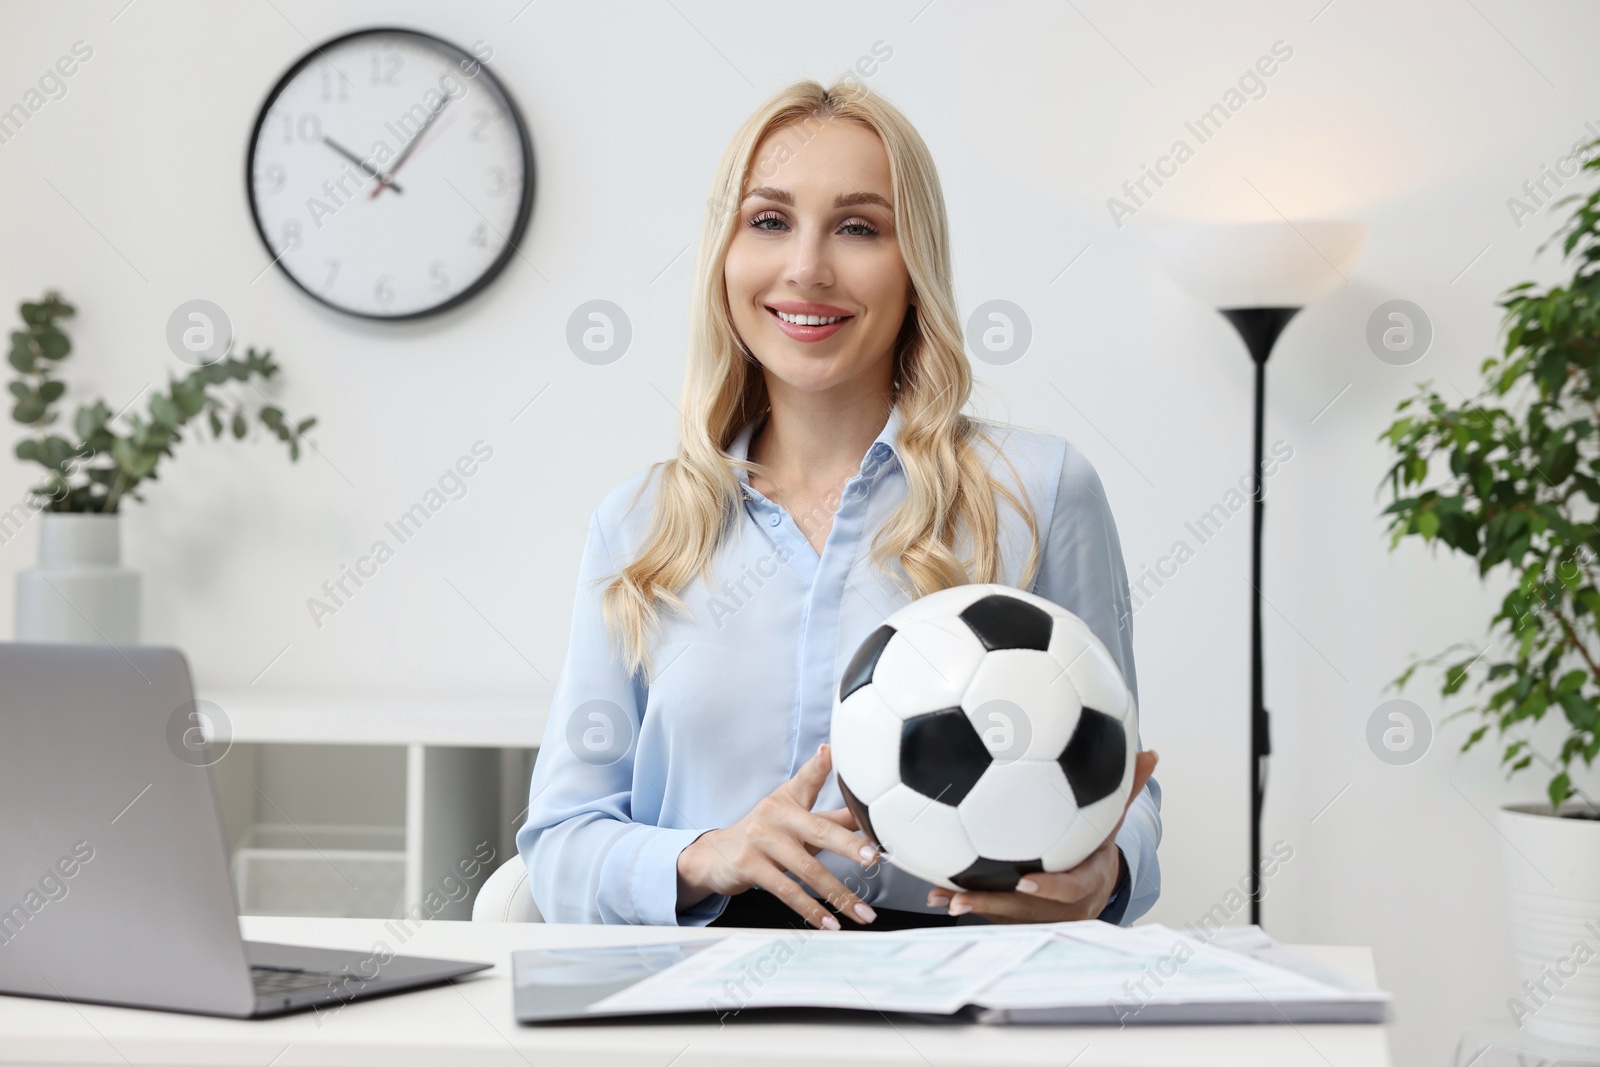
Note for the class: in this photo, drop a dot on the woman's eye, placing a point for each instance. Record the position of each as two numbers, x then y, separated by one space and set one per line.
772 222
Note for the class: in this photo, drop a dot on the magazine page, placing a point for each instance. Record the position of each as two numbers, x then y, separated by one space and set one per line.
862 970
1122 973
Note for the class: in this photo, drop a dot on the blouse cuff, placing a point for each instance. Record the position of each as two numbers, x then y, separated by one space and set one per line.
1117 906
655 881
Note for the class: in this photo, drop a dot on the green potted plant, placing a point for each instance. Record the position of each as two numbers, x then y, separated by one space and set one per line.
1515 485
93 465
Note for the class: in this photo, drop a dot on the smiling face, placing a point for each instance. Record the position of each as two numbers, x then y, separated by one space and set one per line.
815 280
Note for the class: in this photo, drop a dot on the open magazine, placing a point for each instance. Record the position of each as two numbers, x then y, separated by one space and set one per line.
1078 972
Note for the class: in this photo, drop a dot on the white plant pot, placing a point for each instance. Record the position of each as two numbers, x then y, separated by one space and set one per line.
1553 873
79 592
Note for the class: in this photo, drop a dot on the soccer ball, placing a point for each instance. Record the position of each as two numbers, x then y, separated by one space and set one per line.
982 733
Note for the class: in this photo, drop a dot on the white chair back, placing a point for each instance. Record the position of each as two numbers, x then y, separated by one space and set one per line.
506 896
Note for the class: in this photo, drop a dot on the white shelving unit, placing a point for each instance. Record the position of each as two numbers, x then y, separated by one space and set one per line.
332 802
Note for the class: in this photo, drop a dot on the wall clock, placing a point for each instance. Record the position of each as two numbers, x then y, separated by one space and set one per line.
390 175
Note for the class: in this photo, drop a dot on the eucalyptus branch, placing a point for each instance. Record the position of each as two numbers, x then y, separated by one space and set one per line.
100 465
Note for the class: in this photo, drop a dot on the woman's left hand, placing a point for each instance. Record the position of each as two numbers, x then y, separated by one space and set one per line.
1081 893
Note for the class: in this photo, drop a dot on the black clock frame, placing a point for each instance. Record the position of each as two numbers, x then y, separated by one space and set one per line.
524 210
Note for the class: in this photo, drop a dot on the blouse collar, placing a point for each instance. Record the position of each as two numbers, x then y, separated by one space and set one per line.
886 444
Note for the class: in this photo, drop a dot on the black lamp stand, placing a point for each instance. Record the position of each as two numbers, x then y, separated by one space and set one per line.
1260 328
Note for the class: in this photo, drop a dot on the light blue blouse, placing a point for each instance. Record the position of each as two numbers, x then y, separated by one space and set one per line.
630 773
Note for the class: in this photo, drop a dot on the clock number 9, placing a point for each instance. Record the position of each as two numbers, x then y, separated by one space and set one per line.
274 176
309 128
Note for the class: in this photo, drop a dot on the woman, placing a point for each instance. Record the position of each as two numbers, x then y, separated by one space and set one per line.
825 476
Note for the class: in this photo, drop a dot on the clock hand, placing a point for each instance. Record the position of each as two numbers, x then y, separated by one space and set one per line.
406 150
357 160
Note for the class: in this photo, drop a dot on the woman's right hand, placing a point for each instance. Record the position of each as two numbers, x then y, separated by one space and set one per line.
782 834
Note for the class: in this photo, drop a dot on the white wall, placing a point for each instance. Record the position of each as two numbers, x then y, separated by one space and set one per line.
1420 117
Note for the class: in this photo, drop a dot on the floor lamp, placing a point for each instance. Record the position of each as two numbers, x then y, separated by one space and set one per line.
1259 276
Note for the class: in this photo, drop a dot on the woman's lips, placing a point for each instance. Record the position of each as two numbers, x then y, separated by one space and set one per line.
809 333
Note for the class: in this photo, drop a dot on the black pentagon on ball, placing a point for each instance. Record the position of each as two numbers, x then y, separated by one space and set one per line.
859 671
941 755
859 810
1001 621
1095 757
995 876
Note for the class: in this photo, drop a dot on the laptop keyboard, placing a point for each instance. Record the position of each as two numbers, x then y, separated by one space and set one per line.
278 981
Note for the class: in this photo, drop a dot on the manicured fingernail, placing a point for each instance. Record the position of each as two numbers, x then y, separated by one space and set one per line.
830 922
866 913
1027 885
868 853
960 909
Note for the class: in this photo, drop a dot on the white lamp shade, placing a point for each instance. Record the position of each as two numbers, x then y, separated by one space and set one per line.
1263 264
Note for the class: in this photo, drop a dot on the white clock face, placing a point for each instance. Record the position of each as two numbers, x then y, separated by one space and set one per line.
390 174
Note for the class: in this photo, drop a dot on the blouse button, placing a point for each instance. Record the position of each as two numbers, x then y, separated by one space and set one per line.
775 520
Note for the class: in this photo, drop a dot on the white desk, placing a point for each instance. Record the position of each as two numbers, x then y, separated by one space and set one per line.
436 720
471 1023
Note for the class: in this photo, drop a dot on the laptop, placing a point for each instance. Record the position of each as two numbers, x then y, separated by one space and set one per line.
114 882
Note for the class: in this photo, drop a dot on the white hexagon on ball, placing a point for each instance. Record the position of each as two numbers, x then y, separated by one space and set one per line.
1039 690
922 836
926 666
865 736
944 604
990 811
1092 670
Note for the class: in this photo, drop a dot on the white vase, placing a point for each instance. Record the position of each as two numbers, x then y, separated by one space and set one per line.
1553 872
79 592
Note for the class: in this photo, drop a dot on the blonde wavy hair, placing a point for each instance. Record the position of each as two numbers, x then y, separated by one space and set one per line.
951 491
